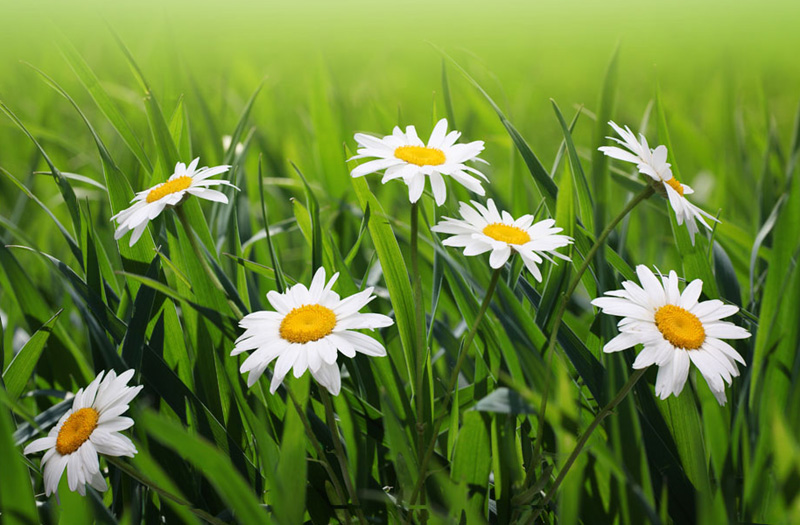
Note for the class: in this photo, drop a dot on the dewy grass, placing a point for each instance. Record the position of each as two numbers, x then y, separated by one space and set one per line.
536 389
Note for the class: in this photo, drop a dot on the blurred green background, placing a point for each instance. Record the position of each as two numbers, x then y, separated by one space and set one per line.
727 72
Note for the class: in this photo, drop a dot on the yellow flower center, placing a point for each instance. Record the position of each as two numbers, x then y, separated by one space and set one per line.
309 322
680 327
76 430
676 185
506 233
420 155
171 186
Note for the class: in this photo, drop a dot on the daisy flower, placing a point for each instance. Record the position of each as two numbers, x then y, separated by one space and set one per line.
306 332
148 204
653 163
405 156
486 229
675 329
90 428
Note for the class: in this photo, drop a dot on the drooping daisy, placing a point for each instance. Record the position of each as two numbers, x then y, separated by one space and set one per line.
487 229
653 163
306 332
90 428
148 204
675 328
405 156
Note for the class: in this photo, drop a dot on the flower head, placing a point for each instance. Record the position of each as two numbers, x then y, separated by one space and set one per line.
91 427
405 156
653 163
675 329
148 204
307 331
486 229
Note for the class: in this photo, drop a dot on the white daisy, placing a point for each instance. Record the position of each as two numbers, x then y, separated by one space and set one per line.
488 229
307 330
90 428
653 163
405 156
675 329
148 204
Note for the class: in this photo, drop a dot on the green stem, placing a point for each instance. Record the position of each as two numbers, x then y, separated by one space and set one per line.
337 444
420 336
604 413
323 458
562 307
452 383
198 251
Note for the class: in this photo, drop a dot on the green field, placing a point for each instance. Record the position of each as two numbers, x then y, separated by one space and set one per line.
100 101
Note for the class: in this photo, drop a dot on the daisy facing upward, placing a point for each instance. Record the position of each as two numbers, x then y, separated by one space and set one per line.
148 204
405 156
675 329
91 427
484 229
653 163
307 331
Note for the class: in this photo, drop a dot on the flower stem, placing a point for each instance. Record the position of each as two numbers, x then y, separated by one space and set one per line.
420 336
451 385
562 307
198 251
337 443
604 413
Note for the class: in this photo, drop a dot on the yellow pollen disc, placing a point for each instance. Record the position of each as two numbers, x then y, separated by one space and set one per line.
171 186
76 430
676 185
309 322
506 233
680 327
420 155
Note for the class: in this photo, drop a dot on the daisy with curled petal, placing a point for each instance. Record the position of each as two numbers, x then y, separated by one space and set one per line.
675 329
653 163
91 427
405 156
307 331
148 204
484 229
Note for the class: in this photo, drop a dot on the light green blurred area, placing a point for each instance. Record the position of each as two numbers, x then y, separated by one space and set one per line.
727 71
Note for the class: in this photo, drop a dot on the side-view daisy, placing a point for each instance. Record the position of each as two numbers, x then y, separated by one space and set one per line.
484 229
405 156
653 163
675 328
148 204
91 427
306 332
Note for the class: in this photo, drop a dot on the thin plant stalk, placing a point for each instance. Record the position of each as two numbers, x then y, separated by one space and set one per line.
420 336
562 307
340 455
604 413
203 262
452 384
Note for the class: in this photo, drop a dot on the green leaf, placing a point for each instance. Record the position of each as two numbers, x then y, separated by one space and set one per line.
20 370
215 465
585 202
104 102
541 178
394 269
16 492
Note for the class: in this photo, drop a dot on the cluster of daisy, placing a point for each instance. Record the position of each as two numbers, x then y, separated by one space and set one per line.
310 326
